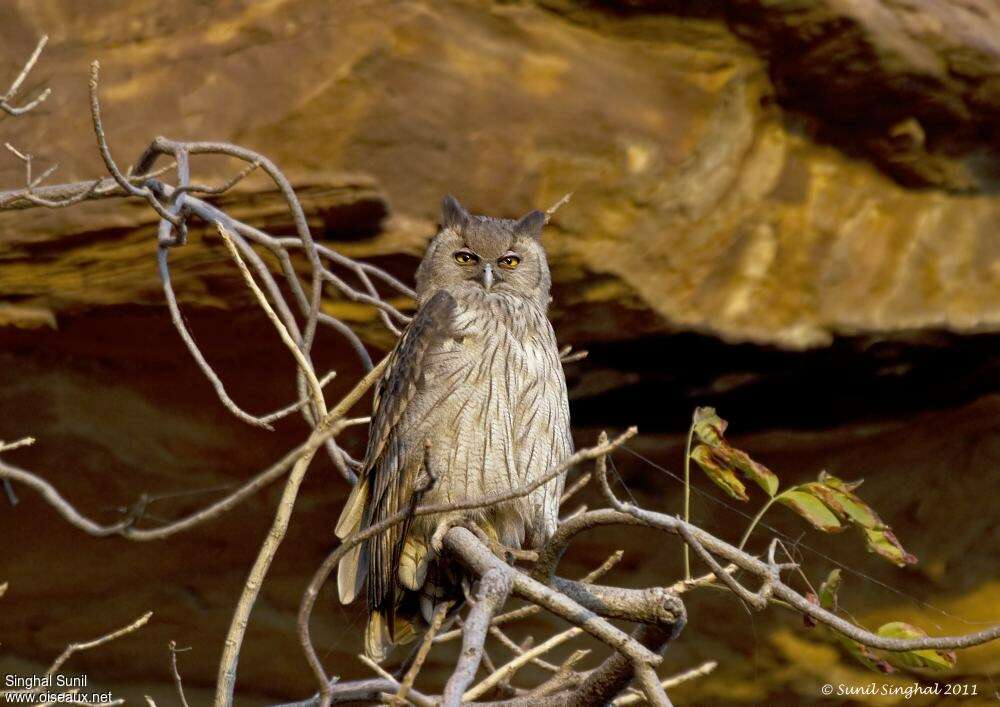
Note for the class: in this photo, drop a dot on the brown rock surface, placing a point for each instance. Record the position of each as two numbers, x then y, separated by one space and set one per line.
745 231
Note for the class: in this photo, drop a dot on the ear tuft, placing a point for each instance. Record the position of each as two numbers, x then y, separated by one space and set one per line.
453 214
531 224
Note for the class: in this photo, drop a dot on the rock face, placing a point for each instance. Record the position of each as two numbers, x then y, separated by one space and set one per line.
699 204
785 209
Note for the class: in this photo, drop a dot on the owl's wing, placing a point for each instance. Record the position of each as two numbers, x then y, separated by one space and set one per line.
386 484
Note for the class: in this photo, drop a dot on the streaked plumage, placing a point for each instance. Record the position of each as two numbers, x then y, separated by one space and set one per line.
475 390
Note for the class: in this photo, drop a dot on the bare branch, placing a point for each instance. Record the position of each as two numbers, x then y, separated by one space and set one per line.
673 681
465 546
440 611
327 427
109 162
178 320
686 585
532 609
498 634
550 212
177 673
10 446
756 601
60 195
304 365
633 515
5 105
86 646
206 190
324 570
417 698
651 687
125 528
576 487
494 587
507 670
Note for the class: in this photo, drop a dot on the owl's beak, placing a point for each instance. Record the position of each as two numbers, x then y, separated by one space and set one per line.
488 276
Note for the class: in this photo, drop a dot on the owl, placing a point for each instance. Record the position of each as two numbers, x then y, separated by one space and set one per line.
474 396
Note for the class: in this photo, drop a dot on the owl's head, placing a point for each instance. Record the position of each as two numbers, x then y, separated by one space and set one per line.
499 255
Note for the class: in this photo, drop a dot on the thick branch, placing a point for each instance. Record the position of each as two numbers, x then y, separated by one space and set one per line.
494 587
464 545
654 605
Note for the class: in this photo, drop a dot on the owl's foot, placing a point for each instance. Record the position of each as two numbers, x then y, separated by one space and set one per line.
437 538
509 554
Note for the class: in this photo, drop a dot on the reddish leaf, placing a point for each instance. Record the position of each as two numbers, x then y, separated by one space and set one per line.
719 472
709 428
885 544
808 620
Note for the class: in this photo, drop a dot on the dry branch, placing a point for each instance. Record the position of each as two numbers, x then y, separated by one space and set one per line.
440 611
178 683
494 587
73 648
324 570
126 528
673 681
15 86
237 628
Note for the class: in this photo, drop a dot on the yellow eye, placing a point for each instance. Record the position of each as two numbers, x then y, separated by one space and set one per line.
464 257
509 261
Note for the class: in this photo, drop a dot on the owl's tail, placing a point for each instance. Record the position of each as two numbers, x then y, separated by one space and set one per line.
387 626
420 582
351 571
400 624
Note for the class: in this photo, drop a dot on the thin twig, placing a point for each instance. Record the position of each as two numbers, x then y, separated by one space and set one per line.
507 670
440 611
305 366
86 646
126 527
673 681
5 105
177 673
417 698
327 427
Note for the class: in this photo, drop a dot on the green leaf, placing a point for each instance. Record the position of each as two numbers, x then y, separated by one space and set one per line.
812 509
709 428
883 542
931 659
719 472
828 591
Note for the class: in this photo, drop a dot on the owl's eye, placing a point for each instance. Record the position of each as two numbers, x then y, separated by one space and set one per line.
464 257
509 261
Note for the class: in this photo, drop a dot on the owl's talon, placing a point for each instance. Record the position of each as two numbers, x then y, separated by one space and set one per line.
437 539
